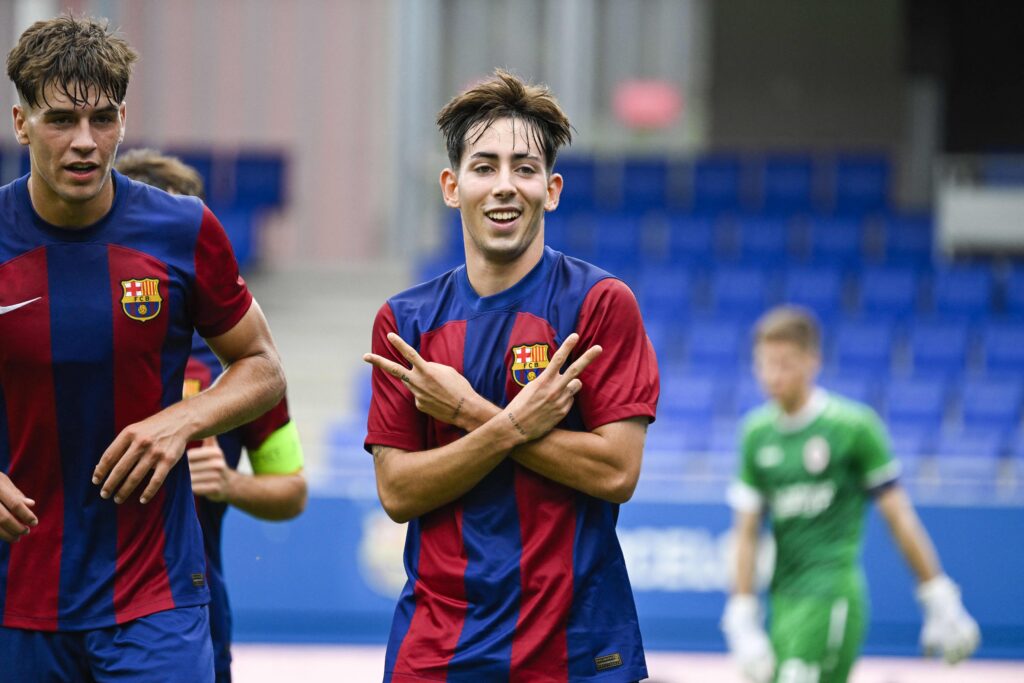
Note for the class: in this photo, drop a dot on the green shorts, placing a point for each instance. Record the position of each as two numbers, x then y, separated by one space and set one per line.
817 640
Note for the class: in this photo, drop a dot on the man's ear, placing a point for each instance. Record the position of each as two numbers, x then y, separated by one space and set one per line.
450 188
122 113
20 118
554 192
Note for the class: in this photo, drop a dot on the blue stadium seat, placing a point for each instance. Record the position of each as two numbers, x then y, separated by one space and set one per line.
862 346
819 289
717 345
740 291
212 170
580 190
556 230
260 179
971 443
916 401
992 403
911 441
691 240
908 240
644 184
889 292
692 398
837 242
861 184
716 184
787 184
1014 296
763 241
668 336
747 395
723 440
939 347
1003 346
963 291
615 241
857 387
664 292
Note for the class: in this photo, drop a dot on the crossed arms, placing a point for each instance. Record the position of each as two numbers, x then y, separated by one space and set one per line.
604 463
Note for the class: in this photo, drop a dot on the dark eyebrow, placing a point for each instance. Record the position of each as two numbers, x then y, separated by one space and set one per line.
515 157
66 112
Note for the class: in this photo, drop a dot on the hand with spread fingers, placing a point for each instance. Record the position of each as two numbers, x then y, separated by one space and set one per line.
150 447
16 516
440 391
547 399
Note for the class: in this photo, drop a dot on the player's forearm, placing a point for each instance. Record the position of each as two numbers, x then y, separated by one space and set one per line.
411 484
267 496
747 528
909 534
248 388
604 463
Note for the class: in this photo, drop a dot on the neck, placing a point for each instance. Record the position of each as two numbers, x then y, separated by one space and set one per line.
489 277
797 402
70 215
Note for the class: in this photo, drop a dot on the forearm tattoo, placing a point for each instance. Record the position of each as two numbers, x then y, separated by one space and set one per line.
515 423
458 409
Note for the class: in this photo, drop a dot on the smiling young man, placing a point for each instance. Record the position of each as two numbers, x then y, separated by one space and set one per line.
102 281
813 460
509 471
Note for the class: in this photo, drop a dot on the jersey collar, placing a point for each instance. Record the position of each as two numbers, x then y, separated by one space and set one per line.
811 411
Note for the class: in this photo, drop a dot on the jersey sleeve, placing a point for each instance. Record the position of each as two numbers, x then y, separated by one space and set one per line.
220 297
259 430
623 381
744 493
393 419
873 455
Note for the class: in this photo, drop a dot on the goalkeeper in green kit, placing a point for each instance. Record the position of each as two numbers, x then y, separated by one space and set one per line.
812 460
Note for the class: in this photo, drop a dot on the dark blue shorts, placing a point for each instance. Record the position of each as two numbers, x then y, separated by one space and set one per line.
166 647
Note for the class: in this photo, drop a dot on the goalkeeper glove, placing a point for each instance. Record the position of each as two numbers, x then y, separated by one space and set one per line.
743 626
948 629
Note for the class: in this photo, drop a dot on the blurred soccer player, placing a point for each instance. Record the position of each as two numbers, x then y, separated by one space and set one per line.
812 460
104 280
278 489
509 471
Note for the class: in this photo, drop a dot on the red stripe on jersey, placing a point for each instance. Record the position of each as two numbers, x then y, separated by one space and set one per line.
221 297
141 583
35 468
547 523
440 609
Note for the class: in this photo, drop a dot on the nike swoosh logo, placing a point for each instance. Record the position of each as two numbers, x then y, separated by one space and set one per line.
14 307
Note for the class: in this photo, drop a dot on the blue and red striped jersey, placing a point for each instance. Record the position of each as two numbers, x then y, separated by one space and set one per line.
203 369
522 578
94 336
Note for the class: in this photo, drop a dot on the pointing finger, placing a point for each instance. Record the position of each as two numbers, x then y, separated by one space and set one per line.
580 364
388 366
560 356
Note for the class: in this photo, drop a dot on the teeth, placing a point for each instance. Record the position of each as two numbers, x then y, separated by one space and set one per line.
503 215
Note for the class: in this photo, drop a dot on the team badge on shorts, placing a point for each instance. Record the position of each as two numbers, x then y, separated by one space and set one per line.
528 362
141 300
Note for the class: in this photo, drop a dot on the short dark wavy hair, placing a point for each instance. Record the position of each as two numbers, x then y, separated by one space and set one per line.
166 172
505 95
79 56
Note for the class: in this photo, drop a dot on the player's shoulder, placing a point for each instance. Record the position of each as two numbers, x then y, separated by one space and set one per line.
758 420
144 200
425 295
850 412
576 271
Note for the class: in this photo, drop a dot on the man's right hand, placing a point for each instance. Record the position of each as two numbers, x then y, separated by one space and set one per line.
547 399
747 639
16 517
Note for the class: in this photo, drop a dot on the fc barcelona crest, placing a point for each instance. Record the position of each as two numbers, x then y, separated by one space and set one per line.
141 300
528 362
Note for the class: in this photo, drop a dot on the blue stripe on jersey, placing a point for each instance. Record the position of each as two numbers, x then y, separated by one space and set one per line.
79 287
5 466
490 525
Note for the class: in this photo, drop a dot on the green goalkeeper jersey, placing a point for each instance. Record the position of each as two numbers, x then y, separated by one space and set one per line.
813 472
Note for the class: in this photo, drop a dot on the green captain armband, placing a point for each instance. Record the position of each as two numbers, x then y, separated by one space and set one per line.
281 453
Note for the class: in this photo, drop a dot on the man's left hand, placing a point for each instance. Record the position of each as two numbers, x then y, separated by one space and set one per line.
210 473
